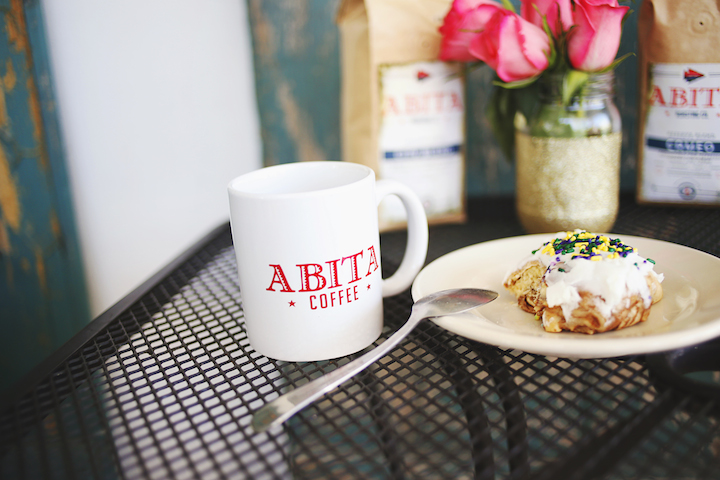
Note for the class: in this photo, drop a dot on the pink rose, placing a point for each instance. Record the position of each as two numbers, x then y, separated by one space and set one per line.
515 48
594 42
464 20
559 14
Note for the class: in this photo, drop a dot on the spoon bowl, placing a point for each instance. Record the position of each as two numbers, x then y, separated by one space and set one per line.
438 304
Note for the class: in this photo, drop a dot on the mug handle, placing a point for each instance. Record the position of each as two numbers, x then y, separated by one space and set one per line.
417 243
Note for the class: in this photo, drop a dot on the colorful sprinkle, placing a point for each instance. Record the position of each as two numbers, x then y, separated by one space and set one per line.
587 246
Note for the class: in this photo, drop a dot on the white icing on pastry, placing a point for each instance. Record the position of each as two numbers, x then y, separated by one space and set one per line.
603 266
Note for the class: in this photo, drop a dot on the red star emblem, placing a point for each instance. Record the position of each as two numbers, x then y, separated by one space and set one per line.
368 287
291 303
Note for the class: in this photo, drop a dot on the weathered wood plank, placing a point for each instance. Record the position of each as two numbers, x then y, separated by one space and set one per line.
43 300
295 51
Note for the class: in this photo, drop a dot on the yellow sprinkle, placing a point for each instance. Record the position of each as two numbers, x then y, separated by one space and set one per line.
596 258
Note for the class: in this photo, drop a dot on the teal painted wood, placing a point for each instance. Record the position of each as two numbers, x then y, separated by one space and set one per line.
43 299
296 55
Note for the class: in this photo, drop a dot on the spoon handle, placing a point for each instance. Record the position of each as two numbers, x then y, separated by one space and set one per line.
285 406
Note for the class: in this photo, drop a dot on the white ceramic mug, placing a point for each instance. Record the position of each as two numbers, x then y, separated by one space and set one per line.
308 253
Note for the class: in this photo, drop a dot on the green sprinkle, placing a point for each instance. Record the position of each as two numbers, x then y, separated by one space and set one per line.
651 261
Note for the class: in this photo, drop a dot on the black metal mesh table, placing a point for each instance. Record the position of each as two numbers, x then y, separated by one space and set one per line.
163 385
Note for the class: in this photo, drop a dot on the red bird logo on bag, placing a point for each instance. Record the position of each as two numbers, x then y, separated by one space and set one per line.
691 75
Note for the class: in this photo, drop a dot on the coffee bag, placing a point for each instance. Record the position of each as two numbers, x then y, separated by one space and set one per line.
403 111
679 85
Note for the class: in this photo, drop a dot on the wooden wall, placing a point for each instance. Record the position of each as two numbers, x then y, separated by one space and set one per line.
296 55
43 300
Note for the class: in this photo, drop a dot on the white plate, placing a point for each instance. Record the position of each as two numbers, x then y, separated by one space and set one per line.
688 314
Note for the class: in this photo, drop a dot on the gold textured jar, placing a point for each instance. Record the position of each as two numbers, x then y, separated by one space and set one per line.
568 158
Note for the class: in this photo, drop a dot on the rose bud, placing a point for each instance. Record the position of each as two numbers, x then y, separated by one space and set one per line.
559 14
594 42
515 48
465 19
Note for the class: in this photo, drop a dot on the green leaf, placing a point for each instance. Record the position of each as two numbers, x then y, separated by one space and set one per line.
517 84
563 61
501 115
508 5
503 105
617 62
527 99
552 56
624 19
472 66
573 81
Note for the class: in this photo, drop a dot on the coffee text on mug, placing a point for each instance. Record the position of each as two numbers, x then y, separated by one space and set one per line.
331 283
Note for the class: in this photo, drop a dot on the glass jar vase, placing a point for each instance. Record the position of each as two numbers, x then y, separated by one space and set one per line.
568 158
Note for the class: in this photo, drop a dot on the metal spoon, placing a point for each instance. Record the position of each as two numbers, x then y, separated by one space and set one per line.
439 304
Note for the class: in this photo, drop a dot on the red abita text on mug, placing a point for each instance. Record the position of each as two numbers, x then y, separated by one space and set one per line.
330 286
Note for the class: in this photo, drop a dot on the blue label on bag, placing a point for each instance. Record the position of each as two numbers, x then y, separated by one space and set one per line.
683 145
423 152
